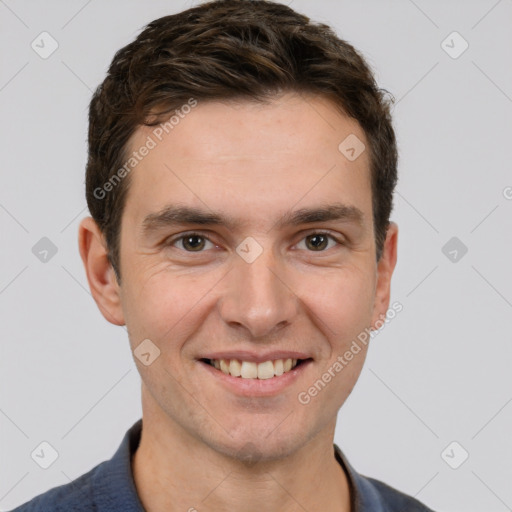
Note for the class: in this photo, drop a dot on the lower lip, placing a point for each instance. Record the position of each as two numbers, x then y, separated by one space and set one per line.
257 387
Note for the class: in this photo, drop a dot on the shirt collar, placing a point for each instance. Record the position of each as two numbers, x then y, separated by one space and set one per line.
113 485
363 495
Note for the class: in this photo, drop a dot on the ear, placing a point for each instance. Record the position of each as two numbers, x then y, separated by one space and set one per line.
100 274
385 268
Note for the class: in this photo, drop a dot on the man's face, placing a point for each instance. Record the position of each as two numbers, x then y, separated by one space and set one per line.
259 290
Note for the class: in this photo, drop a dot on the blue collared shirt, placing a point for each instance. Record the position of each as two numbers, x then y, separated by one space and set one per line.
109 487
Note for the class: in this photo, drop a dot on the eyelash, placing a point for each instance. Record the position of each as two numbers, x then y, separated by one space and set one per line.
172 241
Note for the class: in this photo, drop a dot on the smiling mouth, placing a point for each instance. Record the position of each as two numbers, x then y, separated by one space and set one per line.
251 370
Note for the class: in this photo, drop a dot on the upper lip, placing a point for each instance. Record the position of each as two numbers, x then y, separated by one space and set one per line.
255 357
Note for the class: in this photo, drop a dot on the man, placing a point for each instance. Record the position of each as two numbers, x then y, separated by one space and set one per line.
241 169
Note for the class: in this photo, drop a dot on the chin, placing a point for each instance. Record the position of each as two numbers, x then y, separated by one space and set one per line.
252 445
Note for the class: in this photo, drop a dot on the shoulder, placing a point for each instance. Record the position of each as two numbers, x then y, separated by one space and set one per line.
389 498
106 487
371 495
76 495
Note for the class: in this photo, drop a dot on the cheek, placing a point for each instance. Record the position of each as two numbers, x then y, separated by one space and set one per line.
162 304
342 301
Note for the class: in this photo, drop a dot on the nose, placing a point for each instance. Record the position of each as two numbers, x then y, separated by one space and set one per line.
258 298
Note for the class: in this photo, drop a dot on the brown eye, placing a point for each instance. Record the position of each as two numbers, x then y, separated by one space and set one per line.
191 242
318 242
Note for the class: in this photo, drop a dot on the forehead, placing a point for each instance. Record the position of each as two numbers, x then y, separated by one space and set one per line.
250 159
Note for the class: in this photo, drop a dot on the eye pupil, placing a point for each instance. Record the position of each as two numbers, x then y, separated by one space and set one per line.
315 241
187 241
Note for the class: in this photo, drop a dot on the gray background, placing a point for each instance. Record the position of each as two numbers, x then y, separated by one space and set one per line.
438 373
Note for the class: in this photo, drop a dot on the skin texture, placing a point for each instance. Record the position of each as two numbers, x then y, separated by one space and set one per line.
204 446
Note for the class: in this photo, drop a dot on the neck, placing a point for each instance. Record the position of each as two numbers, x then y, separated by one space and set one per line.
174 471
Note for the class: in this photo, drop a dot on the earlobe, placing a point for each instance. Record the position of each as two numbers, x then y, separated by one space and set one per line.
385 268
100 274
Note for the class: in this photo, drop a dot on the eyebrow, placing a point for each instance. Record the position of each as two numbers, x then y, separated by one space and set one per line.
173 215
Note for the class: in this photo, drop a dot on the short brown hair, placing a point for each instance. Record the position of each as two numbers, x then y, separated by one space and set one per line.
222 50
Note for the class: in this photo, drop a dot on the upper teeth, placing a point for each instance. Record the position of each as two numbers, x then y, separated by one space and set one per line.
250 370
